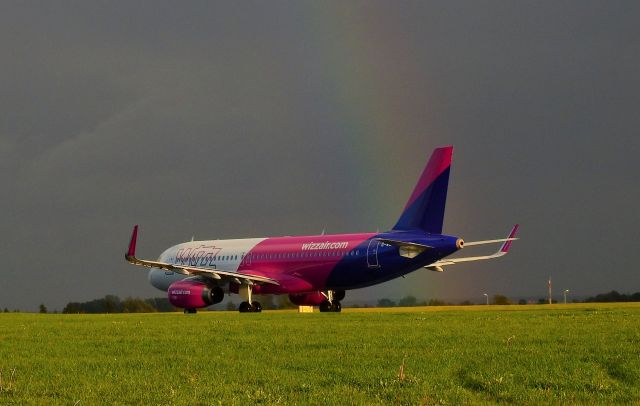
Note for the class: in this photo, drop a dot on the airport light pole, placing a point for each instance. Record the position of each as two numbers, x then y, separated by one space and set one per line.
487 296
565 295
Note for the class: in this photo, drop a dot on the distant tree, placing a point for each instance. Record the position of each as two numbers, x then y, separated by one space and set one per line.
266 301
6 310
522 302
384 302
283 302
43 308
436 302
543 301
131 305
614 296
466 303
112 304
408 301
72 307
501 300
161 304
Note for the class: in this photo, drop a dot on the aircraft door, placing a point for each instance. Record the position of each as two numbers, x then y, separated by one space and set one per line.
246 259
372 254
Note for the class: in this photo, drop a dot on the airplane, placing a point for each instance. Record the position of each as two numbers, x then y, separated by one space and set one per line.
316 270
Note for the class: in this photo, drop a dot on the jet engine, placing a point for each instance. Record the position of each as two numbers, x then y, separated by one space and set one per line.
307 299
194 293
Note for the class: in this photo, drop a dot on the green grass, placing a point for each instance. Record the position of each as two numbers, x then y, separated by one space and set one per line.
572 354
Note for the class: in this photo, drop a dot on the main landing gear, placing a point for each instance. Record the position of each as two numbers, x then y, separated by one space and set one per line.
327 306
250 306
190 311
253 307
332 304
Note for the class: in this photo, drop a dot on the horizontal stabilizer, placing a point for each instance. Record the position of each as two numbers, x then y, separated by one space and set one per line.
504 249
472 243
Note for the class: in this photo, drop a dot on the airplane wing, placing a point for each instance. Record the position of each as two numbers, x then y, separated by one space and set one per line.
503 250
236 277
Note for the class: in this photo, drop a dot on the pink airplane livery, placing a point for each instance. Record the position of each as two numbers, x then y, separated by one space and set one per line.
316 270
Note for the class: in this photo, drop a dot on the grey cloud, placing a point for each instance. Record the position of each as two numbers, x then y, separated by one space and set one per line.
235 120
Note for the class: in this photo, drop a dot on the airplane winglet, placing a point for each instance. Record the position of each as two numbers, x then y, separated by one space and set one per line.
131 253
507 244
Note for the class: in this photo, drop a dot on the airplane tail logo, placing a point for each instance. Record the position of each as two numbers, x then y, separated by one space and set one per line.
425 208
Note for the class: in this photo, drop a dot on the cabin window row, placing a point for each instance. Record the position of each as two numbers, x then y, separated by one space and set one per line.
287 255
306 254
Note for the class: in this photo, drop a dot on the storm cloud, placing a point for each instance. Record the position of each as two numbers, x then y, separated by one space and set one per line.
230 120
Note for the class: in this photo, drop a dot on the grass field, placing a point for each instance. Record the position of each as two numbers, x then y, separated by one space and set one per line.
549 354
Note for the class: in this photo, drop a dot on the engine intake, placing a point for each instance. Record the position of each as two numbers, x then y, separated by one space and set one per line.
307 299
194 293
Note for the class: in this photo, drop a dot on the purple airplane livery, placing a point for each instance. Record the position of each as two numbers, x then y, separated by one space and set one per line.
316 270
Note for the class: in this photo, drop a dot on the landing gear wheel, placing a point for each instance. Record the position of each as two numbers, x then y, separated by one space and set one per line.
336 307
256 307
190 311
339 295
245 307
325 306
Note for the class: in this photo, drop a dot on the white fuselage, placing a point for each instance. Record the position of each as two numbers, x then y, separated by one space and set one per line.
226 255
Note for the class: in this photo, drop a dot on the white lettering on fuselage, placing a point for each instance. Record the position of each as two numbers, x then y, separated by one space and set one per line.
180 292
200 256
327 245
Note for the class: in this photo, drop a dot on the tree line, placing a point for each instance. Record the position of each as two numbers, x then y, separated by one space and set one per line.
113 304
410 301
614 296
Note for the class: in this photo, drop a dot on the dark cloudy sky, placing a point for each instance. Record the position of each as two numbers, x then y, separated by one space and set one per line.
244 119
